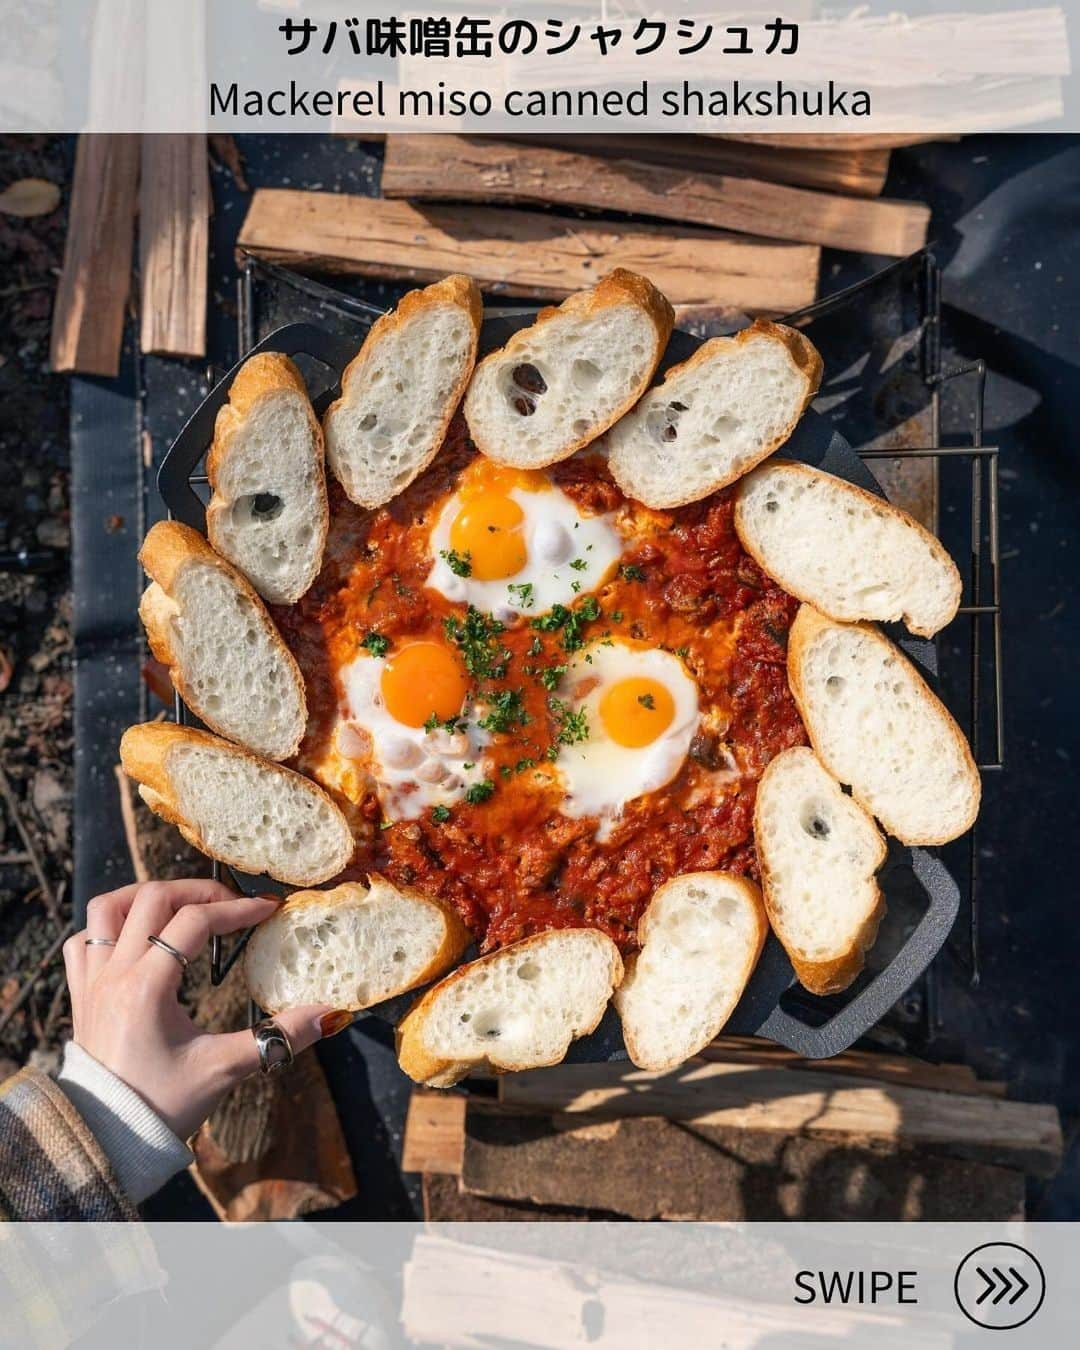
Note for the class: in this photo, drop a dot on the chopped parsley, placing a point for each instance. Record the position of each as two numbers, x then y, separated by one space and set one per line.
632 572
552 621
535 647
451 724
524 592
376 644
575 586
579 564
550 676
569 621
647 701
459 563
524 764
475 637
504 710
573 725
440 814
616 616
479 792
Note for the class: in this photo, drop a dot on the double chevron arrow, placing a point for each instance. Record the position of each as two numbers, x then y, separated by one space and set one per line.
1000 1285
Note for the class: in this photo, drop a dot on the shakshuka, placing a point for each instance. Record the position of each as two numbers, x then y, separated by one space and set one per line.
537 698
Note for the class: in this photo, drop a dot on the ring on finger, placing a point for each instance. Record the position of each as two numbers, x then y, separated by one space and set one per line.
275 1050
99 942
174 952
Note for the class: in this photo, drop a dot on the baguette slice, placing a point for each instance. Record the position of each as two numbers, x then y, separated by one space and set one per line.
877 727
253 815
268 513
846 552
351 947
559 384
225 657
715 416
400 391
700 937
518 1008
818 851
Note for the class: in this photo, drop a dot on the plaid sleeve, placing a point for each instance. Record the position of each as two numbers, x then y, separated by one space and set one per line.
51 1167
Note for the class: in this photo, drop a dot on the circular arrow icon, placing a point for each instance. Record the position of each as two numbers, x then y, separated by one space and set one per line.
999 1285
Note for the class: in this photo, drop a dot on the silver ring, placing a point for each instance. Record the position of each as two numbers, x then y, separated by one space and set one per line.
275 1052
99 942
168 947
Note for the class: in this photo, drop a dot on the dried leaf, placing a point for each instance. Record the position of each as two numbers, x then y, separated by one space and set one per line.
29 197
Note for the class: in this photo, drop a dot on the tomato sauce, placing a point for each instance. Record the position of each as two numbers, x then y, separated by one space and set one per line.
513 865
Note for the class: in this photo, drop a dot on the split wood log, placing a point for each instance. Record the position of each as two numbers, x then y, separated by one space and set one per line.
649 1168
447 1300
523 253
859 173
462 168
1022 1135
92 295
174 244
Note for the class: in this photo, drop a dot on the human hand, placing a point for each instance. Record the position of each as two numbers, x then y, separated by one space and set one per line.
125 1010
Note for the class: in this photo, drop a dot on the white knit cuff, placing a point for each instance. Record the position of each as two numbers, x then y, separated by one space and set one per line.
143 1151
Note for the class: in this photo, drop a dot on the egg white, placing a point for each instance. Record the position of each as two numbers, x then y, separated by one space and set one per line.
413 769
599 776
556 535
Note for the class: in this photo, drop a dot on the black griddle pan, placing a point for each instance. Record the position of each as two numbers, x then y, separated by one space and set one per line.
914 881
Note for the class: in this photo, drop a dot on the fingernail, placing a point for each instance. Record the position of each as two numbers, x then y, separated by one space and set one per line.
332 1022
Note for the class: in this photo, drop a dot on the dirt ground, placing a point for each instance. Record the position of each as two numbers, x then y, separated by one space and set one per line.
35 621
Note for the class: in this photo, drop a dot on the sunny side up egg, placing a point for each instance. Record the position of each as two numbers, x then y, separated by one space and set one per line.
391 701
509 542
629 715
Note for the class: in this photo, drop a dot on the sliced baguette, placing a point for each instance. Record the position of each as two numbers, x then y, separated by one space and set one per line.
225 657
846 552
877 727
351 947
700 937
562 382
518 1008
400 391
818 852
715 416
268 512
244 811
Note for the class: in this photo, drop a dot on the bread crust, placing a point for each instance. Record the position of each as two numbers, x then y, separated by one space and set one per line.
144 751
809 623
805 357
751 892
935 546
262 375
167 549
823 977
616 288
456 937
436 1071
457 289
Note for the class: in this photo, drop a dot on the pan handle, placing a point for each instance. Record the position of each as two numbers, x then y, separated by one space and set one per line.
331 349
868 1007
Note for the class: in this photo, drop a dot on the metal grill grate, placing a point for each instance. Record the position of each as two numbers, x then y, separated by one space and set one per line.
979 704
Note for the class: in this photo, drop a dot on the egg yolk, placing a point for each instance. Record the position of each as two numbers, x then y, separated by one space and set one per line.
489 529
423 680
636 711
